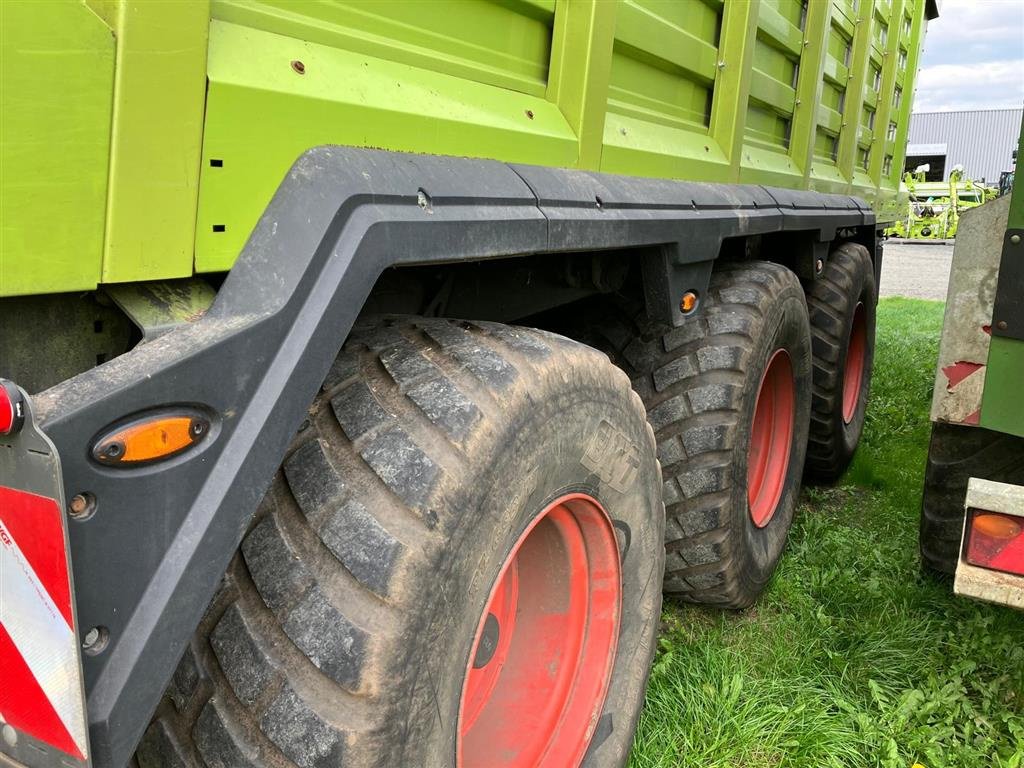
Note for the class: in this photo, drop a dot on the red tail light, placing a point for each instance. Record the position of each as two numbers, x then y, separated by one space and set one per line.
12 408
996 541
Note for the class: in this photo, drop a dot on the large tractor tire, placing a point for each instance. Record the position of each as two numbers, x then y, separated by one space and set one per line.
841 304
957 453
458 564
728 395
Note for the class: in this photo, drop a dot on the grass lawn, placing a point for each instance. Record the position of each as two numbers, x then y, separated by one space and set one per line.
852 657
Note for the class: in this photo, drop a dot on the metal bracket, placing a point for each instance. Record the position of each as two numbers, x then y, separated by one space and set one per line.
162 305
1008 313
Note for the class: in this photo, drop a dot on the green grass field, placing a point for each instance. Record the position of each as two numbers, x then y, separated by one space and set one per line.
852 657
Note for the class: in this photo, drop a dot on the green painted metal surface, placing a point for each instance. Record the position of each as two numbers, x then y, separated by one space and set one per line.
156 135
56 75
262 114
780 92
1001 407
751 91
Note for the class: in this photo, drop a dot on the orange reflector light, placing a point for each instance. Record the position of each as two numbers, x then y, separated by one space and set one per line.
151 438
996 541
688 303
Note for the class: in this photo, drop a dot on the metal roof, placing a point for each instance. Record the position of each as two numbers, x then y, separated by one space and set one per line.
982 141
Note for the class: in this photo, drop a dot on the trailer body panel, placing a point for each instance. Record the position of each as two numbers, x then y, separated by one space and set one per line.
175 176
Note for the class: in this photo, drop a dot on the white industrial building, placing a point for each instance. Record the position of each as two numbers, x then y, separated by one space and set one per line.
982 141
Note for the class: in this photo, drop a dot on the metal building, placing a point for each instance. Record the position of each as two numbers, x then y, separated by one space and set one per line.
982 141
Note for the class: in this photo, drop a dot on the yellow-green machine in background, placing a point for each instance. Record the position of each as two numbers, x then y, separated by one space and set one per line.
934 209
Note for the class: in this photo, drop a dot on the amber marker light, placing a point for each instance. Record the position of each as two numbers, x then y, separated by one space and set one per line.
688 303
150 438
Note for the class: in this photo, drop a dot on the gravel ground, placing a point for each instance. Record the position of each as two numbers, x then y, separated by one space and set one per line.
916 271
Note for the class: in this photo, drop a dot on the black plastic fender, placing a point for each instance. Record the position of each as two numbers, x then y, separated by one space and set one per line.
148 561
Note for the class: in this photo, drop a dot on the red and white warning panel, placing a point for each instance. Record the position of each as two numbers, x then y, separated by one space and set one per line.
42 704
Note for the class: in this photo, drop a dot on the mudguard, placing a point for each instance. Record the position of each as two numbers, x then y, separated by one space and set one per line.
148 561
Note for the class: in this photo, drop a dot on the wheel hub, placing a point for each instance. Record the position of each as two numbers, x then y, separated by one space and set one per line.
544 648
853 374
771 438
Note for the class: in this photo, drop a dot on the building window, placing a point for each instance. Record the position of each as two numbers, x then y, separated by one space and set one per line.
891 135
887 165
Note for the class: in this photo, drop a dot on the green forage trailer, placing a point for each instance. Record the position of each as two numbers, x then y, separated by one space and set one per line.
370 369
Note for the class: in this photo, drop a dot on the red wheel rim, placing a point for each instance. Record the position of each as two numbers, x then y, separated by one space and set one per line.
853 376
542 657
771 437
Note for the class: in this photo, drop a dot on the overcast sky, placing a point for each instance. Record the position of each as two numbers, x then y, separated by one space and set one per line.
973 57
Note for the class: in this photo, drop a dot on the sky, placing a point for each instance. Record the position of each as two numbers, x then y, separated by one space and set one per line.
973 57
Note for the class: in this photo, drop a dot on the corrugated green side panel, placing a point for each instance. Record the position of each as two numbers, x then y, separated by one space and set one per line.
262 113
1001 403
806 95
664 61
756 91
53 182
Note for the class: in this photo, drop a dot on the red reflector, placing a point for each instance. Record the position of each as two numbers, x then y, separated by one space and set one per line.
996 541
12 408
6 412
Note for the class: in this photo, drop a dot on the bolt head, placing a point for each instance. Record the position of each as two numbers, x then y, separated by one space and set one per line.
1001 325
94 642
299 67
10 735
82 506
1015 239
